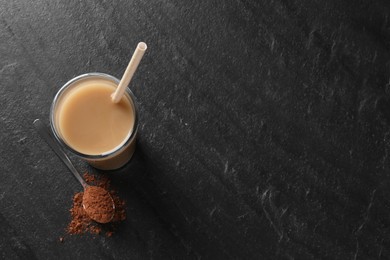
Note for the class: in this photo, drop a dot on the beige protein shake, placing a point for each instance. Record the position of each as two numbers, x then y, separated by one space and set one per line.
85 120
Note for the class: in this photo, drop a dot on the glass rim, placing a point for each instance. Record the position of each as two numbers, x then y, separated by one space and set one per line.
111 152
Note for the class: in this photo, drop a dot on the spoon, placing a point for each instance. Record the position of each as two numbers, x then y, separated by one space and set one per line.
97 202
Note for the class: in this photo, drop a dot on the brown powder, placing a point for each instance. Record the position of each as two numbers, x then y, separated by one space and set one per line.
82 223
98 204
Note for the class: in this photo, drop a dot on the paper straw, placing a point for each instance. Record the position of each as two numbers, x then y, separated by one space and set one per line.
131 68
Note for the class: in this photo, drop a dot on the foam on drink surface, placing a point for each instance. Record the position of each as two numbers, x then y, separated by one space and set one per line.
90 122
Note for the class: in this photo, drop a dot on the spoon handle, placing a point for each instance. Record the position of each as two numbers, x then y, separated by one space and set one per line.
45 135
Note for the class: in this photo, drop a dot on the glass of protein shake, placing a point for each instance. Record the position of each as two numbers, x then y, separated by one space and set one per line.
84 120
95 116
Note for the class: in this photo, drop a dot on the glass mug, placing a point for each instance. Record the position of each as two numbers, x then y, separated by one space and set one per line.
108 160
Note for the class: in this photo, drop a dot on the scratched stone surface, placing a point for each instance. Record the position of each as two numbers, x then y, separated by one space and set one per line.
264 128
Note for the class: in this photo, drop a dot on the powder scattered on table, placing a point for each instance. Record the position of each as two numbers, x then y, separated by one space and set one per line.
82 223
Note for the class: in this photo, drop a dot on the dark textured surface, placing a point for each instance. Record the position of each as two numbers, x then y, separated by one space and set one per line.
264 127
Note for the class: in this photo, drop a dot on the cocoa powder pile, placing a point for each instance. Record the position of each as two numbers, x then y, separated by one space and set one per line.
98 204
82 223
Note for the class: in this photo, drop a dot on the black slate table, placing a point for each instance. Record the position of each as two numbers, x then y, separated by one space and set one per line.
264 132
